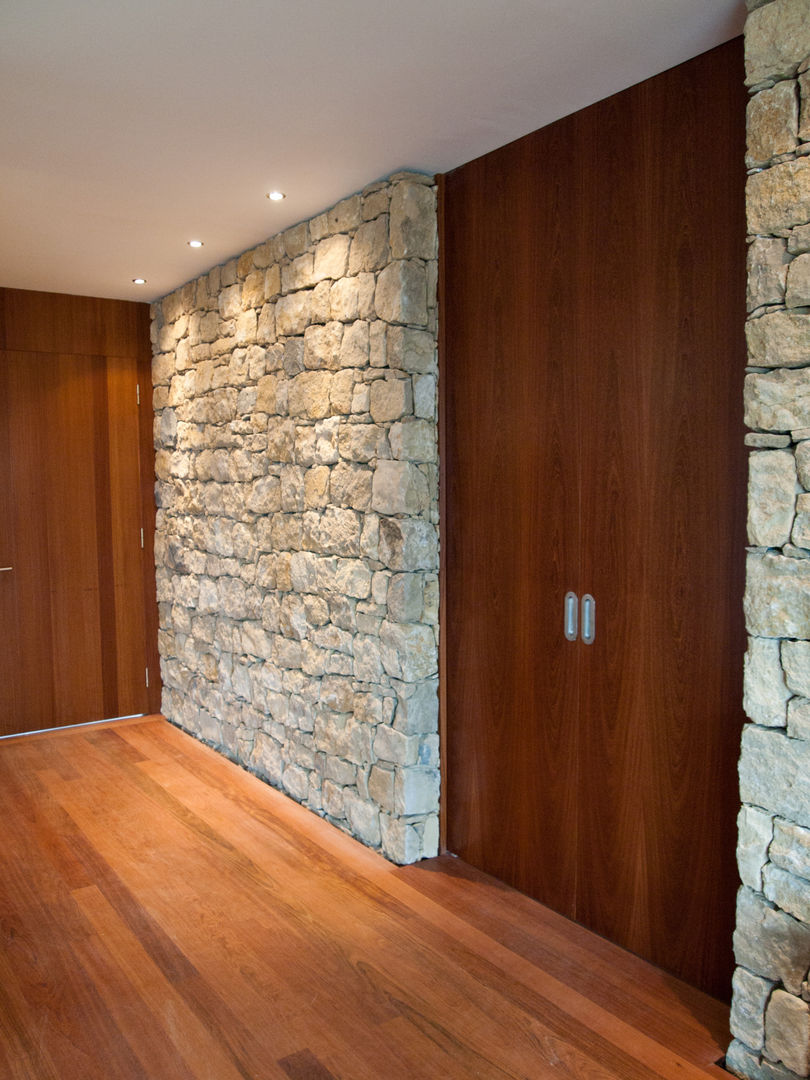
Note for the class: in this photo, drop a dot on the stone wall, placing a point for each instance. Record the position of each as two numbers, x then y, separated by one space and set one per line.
297 525
770 1018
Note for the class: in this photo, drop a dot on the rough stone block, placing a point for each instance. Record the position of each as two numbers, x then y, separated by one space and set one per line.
750 997
775 774
331 258
799 240
800 534
787 1032
779 339
742 1062
770 943
796 665
401 842
399 487
798 718
345 215
293 313
413 222
778 400
788 892
363 818
777 40
778 198
401 294
391 399
416 791
755 830
370 250
322 346
777 596
765 694
413 440
409 651
797 293
767 272
229 302
771 497
309 394
790 848
354 349
411 350
408 544
772 123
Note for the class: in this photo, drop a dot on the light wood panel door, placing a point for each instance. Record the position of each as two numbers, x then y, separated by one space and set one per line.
73 610
601 778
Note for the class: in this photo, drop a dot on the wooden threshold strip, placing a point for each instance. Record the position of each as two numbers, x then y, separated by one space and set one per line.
166 914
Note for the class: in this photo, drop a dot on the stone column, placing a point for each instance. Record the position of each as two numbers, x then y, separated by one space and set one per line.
297 524
770 1019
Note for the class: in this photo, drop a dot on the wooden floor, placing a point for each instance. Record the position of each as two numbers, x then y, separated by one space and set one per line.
166 916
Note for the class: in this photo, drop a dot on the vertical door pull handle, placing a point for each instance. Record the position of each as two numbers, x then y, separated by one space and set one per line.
5 569
570 618
588 619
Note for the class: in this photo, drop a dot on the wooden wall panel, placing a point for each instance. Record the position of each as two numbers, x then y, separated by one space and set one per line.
593 341
79 607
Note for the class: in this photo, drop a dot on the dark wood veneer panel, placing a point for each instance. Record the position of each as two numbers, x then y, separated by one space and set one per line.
61 323
594 284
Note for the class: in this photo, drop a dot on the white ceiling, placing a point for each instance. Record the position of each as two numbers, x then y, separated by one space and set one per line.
128 128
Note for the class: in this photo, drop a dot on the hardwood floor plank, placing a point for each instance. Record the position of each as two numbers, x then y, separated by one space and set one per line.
160 902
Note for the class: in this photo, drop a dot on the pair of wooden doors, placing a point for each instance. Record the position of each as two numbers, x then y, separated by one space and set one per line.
77 606
593 307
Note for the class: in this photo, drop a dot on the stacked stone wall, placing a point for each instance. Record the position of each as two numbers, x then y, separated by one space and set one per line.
295 393
770 1018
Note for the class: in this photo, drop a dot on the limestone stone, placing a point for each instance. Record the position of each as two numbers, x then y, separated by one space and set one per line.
309 394
778 198
411 350
370 250
295 241
778 400
361 442
409 650
790 848
322 346
772 123
424 397
413 222
750 997
341 393
775 773
787 1032
353 578
771 497
765 694
272 282
398 488
406 597
293 313
416 791
804 114
401 294
798 718
354 349
777 596
266 328
779 339
800 534
798 293
331 258
345 215
230 302
755 831
799 240
796 664
788 892
376 198
777 40
391 399
351 486
770 943
408 544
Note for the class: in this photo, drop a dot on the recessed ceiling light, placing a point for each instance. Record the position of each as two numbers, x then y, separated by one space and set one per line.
139 281
276 196
195 243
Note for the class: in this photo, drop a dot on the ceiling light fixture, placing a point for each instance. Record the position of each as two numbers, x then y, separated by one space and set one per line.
139 281
195 243
276 196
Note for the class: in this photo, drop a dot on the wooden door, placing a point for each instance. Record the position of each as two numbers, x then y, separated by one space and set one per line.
624 400
76 629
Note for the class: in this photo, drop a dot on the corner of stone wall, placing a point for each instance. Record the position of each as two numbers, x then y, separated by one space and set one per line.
770 1016
295 393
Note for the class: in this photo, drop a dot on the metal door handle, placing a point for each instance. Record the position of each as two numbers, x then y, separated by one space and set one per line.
5 569
570 616
588 619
